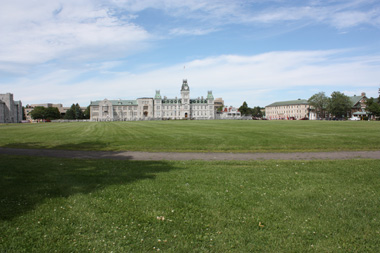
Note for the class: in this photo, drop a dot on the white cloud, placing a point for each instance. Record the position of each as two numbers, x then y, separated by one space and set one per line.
216 13
191 31
258 79
39 31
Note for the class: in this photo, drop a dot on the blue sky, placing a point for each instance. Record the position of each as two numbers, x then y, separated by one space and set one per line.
258 51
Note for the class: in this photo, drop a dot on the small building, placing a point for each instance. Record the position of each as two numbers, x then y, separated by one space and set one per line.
218 102
10 110
287 110
358 105
229 113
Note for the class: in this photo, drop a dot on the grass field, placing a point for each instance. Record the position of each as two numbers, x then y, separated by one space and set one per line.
67 205
196 136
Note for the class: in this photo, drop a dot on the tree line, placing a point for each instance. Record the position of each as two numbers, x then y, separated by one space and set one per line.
338 105
52 113
247 111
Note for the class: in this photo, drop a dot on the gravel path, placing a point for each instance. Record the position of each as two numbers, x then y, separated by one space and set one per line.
155 156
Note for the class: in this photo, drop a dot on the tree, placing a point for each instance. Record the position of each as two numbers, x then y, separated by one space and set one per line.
86 114
245 110
38 112
78 112
256 112
373 106
52 113
70 113
319 102
75 112
23 113
339 104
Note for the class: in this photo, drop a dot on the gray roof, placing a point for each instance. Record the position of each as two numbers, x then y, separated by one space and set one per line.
290 102
116 102
355 100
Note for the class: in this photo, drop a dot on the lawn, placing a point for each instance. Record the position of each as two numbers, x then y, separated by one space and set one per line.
196 136
68 205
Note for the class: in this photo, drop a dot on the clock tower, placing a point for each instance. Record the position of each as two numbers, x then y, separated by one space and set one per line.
185 95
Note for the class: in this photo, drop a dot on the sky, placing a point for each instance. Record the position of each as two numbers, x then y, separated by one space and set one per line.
258 51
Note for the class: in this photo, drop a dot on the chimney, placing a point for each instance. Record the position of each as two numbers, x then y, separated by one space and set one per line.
363 94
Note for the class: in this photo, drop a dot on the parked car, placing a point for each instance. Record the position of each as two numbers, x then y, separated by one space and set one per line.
354 118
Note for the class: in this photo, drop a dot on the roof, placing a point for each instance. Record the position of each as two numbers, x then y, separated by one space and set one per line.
116 102
176 100
290 102
355 100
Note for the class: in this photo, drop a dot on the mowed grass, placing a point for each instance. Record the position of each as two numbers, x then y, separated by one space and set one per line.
67 205
196 136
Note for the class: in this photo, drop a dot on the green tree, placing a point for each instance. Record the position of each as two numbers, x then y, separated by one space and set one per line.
78 112
86 114
339 104
319 102
38 112
75 112
373 106
70 113
52 113
245 110
23 113
256 112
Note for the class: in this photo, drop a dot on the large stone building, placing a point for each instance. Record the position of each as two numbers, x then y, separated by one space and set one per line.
298 109
10 110
156 107
294 109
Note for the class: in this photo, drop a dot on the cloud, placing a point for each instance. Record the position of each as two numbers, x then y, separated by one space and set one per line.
191 31
217 13
35 32
258 79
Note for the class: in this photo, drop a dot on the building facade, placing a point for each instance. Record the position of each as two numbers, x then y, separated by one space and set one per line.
358 105
298 109
294 109
10 110
157 107
229 113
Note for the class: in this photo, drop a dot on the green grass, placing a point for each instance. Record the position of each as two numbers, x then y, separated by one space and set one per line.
68 205
196 136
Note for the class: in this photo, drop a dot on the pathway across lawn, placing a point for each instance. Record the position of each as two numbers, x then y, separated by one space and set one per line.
156 156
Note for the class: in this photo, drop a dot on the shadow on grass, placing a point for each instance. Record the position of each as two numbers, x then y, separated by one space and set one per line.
89 145
27 181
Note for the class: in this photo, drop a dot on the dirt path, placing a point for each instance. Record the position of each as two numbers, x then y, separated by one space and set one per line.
152 156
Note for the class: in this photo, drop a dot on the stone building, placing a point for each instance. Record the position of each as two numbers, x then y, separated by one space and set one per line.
293 109
10 110
157 107
298 109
